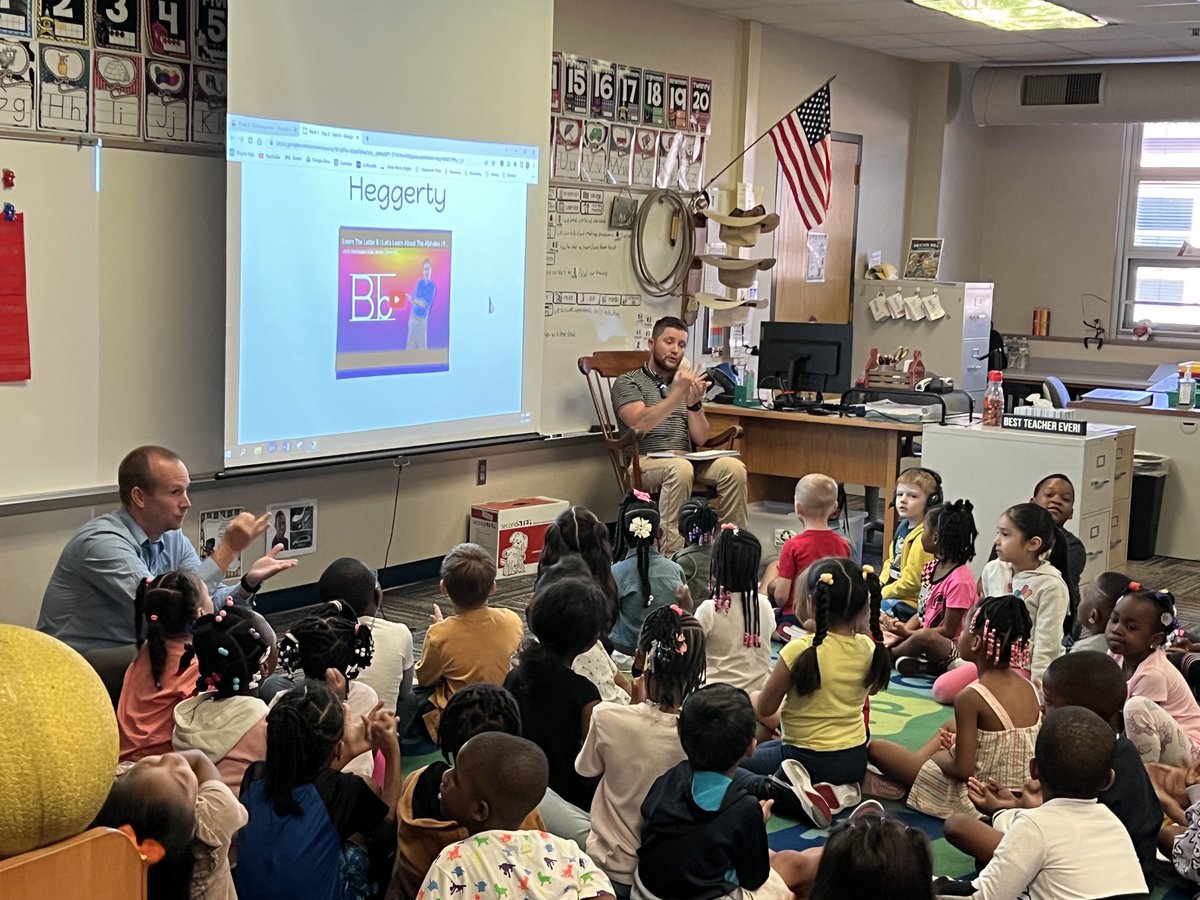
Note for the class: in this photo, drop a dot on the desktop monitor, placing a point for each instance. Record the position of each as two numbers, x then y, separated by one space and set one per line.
804 356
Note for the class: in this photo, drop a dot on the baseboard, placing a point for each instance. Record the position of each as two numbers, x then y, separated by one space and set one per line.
300 595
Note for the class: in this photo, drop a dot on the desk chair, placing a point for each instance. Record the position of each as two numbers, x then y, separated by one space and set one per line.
1056 392
600 369
110 664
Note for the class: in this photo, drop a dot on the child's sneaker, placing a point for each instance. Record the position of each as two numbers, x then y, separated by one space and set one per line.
868 808
877 785
838 796
795 796
912 665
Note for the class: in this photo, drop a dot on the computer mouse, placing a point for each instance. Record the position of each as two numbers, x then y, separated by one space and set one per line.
818 411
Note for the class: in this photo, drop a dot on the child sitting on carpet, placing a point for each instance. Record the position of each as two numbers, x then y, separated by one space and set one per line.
737 622
1071 845
917 490
645 579
996 718
1162 716
1099 596
1023 536
928 642
697 525
872 856
823 681
1094 681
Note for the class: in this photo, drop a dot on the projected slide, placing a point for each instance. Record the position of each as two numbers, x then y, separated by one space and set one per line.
380 297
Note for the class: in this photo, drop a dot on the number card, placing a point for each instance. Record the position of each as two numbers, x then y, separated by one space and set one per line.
167 31
620 153
167 100
678 87
64 20
576 76
629 94
701 109
604 89
556 67
16 84
645 153
568 145
118 26
64 74
212 31
654 98
209 102
16 17
117 94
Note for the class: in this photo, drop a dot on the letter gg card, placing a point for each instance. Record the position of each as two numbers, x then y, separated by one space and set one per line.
64 74
117 94
167 100
393 312
16 84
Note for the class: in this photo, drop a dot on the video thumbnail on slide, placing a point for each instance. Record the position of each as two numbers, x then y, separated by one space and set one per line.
393 301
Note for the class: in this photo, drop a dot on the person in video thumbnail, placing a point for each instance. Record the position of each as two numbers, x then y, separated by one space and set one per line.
281 530
422 299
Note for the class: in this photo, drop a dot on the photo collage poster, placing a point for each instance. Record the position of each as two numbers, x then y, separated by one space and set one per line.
627 126
142 70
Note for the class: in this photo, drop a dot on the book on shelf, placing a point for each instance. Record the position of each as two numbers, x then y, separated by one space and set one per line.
1129 398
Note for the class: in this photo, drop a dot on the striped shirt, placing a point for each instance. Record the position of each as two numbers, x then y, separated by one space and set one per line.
641 385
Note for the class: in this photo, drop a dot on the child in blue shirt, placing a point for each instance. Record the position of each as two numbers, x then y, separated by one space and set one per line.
645 579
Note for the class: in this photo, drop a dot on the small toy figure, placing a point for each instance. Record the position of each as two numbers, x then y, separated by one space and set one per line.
1098 332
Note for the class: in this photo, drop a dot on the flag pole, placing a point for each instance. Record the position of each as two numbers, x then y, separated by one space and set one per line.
749 146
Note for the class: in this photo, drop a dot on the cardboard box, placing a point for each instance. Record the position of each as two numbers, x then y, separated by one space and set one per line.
514 531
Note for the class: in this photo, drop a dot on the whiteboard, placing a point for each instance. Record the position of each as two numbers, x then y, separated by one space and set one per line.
593 298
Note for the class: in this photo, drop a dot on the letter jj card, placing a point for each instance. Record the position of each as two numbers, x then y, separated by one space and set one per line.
556 66
209 103
701 114
118 25
595 153
568 145
16 18
645 153
654 98
167 100
167 30
66 21
576 77
604 89
64 76
629 94
678 88
16 84
117 94
212 31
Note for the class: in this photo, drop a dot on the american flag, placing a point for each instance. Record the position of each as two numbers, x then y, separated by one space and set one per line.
801 141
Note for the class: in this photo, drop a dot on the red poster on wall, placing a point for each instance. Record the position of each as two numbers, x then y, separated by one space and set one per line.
14 309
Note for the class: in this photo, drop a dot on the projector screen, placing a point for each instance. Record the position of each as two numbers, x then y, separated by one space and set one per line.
385 253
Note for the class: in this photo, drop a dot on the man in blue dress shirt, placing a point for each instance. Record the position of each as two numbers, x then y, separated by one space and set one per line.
89 600
422 300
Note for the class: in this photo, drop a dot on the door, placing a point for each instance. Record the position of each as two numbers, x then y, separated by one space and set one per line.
796 299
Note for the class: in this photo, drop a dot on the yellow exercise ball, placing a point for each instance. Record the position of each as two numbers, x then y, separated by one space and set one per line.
59 738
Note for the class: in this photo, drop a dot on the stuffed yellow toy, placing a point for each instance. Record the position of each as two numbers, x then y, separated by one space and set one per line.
59 735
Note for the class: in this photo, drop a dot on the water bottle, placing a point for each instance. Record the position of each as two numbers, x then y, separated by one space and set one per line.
993 398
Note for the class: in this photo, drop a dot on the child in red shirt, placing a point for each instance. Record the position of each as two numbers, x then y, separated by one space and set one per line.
816 504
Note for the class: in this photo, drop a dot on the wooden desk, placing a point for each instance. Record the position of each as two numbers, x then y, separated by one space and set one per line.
780 447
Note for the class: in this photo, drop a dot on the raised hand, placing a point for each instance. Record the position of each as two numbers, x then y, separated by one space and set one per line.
268 566
243 529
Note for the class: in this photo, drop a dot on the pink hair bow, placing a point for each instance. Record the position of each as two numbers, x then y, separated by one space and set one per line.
642 495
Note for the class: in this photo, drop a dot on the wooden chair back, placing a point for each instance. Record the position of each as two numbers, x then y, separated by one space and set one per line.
100 864
600 369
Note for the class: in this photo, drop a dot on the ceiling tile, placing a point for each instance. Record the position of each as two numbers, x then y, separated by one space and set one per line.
885 43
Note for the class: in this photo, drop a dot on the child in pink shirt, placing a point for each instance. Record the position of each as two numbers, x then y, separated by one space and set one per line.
159 677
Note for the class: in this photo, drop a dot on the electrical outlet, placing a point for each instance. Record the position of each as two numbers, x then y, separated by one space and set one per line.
481 473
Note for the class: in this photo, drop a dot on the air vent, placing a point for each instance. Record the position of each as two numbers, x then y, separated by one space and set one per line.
1078 89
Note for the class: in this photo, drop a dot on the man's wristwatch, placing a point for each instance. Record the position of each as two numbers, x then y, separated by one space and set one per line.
696 407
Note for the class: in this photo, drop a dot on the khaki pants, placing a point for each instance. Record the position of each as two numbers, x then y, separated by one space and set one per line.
673 479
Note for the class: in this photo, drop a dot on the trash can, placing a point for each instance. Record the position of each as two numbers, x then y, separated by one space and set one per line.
1145 503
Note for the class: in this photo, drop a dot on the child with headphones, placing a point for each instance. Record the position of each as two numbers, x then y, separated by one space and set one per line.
917 491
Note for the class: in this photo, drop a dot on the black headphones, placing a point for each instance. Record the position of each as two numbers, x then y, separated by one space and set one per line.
937 498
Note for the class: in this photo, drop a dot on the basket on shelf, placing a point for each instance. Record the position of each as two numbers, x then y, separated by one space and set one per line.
891 377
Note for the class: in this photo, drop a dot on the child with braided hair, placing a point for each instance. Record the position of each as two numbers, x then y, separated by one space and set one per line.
645 579
309 821
165 609
928 642
996 718
670 655
698 526
226 720
737 621
331 645
1162 717
823 681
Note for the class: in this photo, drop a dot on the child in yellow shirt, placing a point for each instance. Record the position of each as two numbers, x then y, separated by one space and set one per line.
917 490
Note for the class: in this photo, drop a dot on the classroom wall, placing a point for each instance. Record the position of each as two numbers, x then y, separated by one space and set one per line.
961 209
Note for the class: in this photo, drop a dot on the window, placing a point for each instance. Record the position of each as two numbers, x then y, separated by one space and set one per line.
1163 212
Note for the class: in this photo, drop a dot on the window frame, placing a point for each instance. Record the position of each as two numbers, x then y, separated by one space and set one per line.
1129 257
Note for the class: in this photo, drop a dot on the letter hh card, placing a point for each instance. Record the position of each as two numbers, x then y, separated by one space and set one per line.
393 307
64 74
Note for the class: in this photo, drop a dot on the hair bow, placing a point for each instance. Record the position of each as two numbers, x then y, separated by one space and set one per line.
826 578
642 495
150 849
868 570
729 526
1135 586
